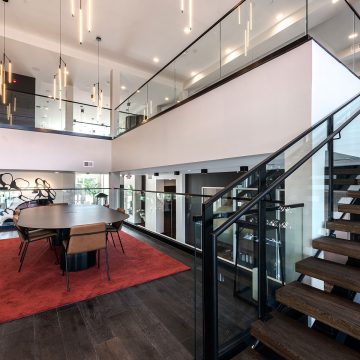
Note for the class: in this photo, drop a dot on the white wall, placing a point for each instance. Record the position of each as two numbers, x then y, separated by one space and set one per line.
253 114
30 150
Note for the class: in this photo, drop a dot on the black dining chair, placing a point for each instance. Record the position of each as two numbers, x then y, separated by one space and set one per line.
28 236
115 227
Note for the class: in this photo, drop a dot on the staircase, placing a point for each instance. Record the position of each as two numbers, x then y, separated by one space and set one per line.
286 332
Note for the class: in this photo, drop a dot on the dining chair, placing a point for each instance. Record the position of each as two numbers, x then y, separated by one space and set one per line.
28 236
115 227
85 238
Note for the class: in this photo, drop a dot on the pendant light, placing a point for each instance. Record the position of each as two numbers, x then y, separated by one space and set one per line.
97 93
60 77
6 73
190 14
89 17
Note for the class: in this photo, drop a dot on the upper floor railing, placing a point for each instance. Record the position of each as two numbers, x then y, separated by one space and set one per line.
44 113
241 39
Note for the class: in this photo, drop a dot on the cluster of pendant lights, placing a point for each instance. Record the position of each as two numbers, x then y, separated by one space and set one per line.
248 26
60 78
6 77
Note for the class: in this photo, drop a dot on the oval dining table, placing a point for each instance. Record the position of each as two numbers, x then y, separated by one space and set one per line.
62 218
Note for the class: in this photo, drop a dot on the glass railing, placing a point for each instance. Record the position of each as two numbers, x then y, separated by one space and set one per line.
294 193
336 27
248 33
173 215
30 111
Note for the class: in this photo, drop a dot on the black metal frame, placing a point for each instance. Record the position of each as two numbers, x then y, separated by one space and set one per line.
210 236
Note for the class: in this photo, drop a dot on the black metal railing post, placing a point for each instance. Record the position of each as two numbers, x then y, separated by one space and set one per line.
262 280
330 148
209 275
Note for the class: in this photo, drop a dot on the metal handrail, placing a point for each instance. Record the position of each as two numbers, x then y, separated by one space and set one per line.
274 155
281 178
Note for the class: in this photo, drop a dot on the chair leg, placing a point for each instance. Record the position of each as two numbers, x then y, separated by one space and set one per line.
98 258
112 237
23 256
53 247
67 274
20 247
107 263
121 243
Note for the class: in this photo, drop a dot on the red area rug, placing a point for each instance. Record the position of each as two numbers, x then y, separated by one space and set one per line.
40 286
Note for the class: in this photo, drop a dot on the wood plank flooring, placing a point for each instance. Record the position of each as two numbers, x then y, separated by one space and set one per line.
154 320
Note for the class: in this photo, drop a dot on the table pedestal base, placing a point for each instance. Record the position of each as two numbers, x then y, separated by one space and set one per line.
78 262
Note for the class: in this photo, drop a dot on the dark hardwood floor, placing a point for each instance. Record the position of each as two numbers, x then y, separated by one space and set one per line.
155 320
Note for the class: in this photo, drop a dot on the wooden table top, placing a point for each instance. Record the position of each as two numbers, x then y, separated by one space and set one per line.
66 216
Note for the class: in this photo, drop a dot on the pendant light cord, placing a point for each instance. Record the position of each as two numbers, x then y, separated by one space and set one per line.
60 31
4 30
98 70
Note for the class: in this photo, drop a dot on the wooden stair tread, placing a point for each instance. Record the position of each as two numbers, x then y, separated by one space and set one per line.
344 225
249 354
338 246
346 181
293 340
344 276
349 208
335 311
353 194
347 171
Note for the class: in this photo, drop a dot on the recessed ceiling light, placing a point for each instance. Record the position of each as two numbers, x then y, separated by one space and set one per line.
187 30
156 59
334 1
353 35
123 87
228 51
279 16
137 91
166 99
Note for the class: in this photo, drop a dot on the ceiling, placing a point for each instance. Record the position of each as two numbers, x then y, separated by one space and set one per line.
133 33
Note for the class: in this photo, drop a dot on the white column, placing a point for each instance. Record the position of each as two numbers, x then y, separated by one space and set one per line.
114 99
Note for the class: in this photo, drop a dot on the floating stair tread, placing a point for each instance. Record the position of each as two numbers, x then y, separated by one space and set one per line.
249 354
335 311
293 340
344 276
346 181
353 194
349 208
344 225
347 171
338 246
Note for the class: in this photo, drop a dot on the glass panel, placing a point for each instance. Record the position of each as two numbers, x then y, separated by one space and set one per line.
332 24
35 111
255 29
199 66
161 92
134 111
236 311
346 167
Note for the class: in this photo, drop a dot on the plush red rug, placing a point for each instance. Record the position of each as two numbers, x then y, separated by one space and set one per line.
41 287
